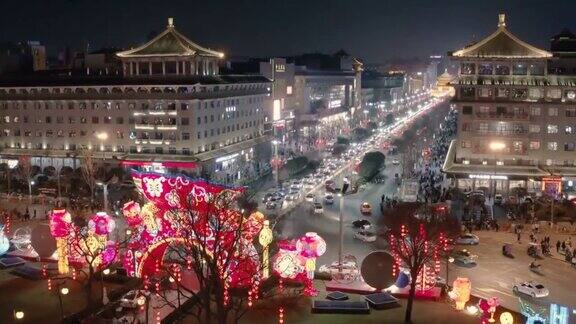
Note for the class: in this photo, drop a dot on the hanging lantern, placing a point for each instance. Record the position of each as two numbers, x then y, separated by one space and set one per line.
461 292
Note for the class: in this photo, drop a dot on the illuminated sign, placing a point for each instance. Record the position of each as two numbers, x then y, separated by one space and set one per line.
280 68
335 104
226 158
276 113
488 177
11 163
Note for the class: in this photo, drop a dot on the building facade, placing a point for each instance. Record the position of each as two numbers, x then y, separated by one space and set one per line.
517 117
169 105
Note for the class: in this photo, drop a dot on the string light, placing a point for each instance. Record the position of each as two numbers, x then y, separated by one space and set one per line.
281 315
49 284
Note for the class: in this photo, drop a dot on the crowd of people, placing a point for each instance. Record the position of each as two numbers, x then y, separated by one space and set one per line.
429 169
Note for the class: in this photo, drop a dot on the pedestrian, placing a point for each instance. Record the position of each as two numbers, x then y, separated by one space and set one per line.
557 246
519 236
563 246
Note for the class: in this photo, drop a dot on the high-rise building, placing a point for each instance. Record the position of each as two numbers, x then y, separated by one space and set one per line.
169 105
516 117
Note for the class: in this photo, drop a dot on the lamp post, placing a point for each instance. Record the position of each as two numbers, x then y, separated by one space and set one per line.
265 238
345 184
105 193
448 261
276 163
18 314
61 291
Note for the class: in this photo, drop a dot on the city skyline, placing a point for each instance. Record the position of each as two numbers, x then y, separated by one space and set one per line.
295 28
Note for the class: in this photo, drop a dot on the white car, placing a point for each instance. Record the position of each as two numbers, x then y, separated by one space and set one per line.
297 183
464 257
365 236
310 197
318 209
130 299
329 199
468 239
395 162
535 290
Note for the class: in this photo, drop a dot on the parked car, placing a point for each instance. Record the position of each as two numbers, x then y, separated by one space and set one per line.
365 236
467 239
329 199
361 223
310 197
270 205
463 257
318 209
329 185
535 290
366 208
130 299
395 162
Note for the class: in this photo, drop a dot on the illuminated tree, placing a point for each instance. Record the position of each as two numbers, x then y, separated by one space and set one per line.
416 235
25 169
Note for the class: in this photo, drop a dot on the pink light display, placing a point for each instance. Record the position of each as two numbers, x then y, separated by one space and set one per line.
164 220
296 260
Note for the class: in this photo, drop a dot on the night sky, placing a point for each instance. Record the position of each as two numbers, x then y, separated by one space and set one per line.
371 29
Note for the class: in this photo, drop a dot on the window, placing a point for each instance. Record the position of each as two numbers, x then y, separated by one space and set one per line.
119 120
569 146
183 106
59 119
95 120
502 70
569 129
553 112
552 146
82 120
535 111
199 135
466 144
467 110
185 136
520 69
534 93
185 121
536 69
554 93
468 68
534 128
198 121
483 128
48 119
288 90
552 129
119 135
107 120
534 145
485 92
570 112
485 69
502 93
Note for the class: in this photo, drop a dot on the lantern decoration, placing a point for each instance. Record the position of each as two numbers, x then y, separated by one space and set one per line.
493 302
506 318
485 307
4 243
131 212
310 246
265 238
286 262
101 225
60 227
461 292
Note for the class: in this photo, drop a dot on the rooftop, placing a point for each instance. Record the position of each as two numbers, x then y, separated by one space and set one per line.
502 44
169 43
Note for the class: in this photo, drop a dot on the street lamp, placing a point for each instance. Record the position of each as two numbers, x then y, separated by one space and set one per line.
105 191
106 271
276 162
448 261
18 314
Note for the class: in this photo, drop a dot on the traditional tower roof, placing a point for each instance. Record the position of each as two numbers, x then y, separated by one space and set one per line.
502 44
445 78
169 43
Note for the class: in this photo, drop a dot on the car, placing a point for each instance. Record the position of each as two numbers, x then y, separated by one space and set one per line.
297 183
528 200
318 209
329 199
271 205
395 162
467 239
365 236
366 208
329 185
130 299
463 257
498 199
267 197
310 197
348 268
536 290
361 223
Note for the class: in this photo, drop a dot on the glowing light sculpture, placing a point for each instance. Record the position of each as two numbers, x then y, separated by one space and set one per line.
461 292
265 238
60 228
